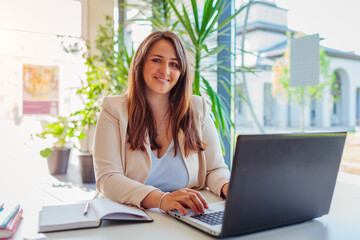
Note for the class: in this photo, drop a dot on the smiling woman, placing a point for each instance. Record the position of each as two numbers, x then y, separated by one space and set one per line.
161 69
156 146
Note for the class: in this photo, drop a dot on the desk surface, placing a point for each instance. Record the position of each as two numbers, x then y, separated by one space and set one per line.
343 221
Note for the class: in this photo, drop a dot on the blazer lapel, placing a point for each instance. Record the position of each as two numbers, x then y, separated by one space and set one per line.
148 151
189 160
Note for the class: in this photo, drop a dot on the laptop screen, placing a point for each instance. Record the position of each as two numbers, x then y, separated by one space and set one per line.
281 179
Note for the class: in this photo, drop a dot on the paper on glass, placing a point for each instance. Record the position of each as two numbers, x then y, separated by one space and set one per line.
304 61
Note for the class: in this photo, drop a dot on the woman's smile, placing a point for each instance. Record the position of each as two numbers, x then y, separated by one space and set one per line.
161 69
163 80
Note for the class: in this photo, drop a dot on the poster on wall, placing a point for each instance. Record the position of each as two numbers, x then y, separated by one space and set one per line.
40 89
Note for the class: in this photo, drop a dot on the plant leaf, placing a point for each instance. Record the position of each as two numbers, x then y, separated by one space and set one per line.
46 152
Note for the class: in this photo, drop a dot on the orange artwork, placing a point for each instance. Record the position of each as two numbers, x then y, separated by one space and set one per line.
40 89
40 82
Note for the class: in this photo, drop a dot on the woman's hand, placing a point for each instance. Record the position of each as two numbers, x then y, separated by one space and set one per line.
182 198
224 189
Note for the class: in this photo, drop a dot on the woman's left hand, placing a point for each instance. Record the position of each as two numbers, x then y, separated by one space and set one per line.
224 189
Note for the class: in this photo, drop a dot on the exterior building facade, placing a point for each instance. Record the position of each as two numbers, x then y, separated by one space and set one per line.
266 39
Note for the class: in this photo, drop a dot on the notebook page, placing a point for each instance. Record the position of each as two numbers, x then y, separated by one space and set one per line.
105 207
66 216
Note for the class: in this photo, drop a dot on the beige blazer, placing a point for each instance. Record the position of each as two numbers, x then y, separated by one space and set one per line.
121 172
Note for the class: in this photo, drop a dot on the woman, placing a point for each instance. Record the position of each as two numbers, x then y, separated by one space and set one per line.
157 145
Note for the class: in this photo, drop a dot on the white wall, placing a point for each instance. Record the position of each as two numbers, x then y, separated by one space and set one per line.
352 73
255 85
43 16
262 39
28 35
265 13
95 11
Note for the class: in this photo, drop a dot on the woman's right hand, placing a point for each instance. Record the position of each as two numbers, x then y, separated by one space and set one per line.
182 198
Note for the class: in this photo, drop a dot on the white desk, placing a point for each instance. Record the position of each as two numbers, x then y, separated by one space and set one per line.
343 222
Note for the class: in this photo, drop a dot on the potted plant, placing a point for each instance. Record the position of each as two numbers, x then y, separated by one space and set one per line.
62 131
85 124
106 74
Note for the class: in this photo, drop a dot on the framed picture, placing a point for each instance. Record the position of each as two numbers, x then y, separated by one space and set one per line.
40 89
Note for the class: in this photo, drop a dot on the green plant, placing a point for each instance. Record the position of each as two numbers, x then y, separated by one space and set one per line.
61 130
200 31
107 72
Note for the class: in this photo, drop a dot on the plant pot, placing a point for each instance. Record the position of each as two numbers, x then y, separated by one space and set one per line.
86 168
58 161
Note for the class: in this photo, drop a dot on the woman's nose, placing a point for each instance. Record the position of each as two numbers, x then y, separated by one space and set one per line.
164 69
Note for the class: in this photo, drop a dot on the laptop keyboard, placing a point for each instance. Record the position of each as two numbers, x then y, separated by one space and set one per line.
213 218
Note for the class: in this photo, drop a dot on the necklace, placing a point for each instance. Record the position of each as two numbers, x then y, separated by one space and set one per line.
157 128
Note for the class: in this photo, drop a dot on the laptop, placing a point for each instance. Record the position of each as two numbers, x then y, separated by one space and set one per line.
276 180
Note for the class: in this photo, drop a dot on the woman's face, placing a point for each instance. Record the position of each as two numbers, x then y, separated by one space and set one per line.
161 68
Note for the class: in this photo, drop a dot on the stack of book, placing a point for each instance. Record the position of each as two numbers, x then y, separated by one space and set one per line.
10 217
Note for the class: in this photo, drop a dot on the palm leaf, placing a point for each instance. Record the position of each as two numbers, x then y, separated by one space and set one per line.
181 19
188 26
196 16
212 95
216 108
214 15
214 51
206 14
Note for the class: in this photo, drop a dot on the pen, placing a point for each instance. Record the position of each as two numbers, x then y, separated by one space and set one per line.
86 208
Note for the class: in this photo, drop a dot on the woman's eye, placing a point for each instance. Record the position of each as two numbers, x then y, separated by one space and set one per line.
174 65
156 60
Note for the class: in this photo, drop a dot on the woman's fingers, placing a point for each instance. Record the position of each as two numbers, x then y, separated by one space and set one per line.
185 198
181 209
193 199
199 205
190 201
200 196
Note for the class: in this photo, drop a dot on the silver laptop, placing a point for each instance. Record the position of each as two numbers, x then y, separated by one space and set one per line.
276 180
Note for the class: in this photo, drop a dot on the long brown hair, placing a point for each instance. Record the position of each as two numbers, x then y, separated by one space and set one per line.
141 119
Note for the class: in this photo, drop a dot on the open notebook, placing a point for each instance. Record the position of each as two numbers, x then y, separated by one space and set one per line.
71 216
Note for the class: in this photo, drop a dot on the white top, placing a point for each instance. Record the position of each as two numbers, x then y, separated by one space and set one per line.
168 173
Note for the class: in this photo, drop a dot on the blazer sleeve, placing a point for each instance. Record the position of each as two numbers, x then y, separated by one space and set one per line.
217 172
108 159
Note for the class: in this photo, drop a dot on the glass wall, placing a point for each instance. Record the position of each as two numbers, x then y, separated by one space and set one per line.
33 35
